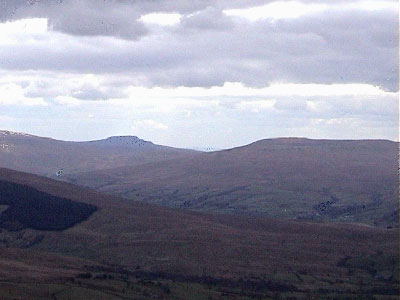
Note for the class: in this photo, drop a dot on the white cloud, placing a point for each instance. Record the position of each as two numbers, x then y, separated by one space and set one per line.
325 90
295 9
13 94
23 26
162 19
26 31
68 101
276 10
148 124
333 121
256 106
373 5
237 89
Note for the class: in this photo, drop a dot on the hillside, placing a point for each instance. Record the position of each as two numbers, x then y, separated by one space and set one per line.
45 156
132 250
351 181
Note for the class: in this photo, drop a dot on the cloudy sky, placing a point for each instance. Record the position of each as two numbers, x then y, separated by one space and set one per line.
199 73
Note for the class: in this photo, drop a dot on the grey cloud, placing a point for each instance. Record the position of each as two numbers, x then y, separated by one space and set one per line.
360 45
367 107
116 17
53 87
125 26
207 49
91 93
89 18
92 17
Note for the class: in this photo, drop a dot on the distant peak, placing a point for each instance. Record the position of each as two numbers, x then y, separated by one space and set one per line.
123 137
123 140
290 139
126 138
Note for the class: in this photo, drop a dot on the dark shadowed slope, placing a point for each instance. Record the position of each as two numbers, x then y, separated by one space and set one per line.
45 156
30 208
281 178
258 257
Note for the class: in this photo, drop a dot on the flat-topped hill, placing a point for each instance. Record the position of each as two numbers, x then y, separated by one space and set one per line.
46 156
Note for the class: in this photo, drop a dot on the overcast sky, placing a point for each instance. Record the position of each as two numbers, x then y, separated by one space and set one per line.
199 73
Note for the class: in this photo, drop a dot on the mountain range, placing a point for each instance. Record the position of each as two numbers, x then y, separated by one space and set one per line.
286 178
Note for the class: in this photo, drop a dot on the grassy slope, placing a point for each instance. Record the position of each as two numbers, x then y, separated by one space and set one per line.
318 259
280 178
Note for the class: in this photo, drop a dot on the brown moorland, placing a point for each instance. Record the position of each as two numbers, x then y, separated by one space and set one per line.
133 250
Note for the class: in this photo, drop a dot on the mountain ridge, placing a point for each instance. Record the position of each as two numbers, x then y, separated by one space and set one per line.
315 179
4 132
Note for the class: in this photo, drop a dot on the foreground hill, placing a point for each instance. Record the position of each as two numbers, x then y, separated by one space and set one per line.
299 178
45 156
132 250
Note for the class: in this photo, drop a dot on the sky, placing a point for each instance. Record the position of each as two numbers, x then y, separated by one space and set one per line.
200 73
